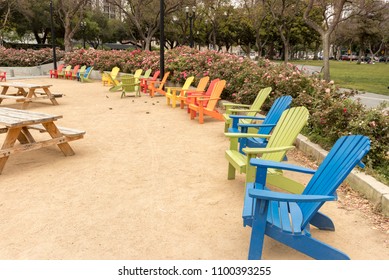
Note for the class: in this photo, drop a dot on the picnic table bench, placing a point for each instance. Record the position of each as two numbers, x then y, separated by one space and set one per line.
17 125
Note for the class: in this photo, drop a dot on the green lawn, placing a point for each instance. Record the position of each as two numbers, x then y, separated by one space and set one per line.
363 77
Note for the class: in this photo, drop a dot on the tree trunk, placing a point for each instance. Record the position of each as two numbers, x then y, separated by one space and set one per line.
326 56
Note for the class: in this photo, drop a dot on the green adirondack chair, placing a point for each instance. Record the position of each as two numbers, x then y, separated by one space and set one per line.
118 86
248 110
85 77
280 141
147 74
81 72
130 84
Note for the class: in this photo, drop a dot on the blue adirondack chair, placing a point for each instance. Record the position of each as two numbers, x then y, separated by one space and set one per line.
286 217
269 122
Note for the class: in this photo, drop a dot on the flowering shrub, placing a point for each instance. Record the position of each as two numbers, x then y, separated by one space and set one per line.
332 113
26 58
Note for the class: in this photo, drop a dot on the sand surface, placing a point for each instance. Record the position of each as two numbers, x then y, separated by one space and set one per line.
146 183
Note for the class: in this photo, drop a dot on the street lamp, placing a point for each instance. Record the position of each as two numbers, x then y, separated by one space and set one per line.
83 27
53 35
190 14
162 38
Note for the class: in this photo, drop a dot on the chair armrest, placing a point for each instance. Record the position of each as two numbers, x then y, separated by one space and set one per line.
256 125
236 105
254 151
246 135
246 117
286 197
195 92
280 165
174 88
243 110
206 98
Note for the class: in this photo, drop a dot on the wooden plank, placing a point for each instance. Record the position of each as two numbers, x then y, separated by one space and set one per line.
32 146
24 85
13 117
64 130
54 94
15 97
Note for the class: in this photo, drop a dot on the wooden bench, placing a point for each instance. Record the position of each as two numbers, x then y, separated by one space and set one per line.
68 132
14 97
55 94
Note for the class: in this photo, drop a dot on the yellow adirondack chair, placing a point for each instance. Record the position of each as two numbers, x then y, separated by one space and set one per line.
171 92
210 109
153 89
248 110
200 90
61 74
113 74
280 141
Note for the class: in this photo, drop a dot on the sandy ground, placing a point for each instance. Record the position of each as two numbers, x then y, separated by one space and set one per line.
145 183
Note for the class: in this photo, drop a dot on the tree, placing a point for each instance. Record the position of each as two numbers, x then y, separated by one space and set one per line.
70 14
34 16
284 13
332 14
144 16
6 9
256 13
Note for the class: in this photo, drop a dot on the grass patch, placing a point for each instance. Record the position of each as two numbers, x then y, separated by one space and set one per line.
372 78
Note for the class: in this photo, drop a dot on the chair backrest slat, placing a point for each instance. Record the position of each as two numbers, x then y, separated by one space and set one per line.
346 153
279 106
286 131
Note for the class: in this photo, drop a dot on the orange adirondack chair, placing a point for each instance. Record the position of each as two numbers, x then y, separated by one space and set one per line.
210 109
54 72
161 84
191 96
73 73
144 82
199 89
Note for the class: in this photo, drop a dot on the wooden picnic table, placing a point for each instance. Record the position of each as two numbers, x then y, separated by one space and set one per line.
27 93
17 124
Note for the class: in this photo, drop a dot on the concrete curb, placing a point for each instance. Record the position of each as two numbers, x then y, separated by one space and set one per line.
373 190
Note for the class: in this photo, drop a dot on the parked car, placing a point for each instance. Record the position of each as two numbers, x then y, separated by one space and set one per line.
349 57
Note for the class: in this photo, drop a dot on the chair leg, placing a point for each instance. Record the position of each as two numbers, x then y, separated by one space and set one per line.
322 222
258 230
231 172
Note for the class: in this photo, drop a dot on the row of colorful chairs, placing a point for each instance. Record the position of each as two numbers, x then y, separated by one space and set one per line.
274 204
258 147
78 72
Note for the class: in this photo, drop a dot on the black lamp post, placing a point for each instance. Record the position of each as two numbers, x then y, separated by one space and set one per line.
161 38
53 35
83 27
190 14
